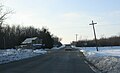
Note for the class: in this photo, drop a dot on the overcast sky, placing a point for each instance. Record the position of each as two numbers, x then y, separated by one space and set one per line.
65 18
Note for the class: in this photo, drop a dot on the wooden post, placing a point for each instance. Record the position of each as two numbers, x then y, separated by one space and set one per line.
94 34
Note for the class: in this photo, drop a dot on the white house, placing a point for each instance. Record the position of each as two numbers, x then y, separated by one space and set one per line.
31 43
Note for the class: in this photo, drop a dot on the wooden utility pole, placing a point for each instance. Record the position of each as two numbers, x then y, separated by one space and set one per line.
76 37
94 34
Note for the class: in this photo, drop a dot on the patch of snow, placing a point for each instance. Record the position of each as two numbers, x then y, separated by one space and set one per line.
40 51
107 59
59 47
103 51
9 55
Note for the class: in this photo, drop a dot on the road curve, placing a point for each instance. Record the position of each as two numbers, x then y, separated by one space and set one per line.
54 62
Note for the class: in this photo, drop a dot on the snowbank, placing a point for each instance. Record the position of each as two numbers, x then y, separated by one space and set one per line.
107 59
39 51
17 54
9 55
59 47
107 64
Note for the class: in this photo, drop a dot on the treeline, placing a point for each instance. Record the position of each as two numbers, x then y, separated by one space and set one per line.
111 41
13 36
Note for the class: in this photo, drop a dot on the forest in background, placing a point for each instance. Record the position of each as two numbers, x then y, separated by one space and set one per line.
15 35
110 41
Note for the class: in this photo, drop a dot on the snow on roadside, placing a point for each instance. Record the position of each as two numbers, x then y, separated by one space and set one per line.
39 51
107 59
9 55
59 47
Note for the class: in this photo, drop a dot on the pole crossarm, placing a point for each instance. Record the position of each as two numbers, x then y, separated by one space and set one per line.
92 23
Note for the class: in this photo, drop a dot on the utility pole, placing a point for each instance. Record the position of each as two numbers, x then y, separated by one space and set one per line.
76 37
94 34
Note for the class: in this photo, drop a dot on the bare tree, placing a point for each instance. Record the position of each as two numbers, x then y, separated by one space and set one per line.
4 12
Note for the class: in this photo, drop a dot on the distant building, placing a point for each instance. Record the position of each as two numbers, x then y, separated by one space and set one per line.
31 43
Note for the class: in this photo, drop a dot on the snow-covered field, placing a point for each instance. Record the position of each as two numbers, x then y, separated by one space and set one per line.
107 59
9 55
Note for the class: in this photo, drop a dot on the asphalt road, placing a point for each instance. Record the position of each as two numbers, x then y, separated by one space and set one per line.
54 62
